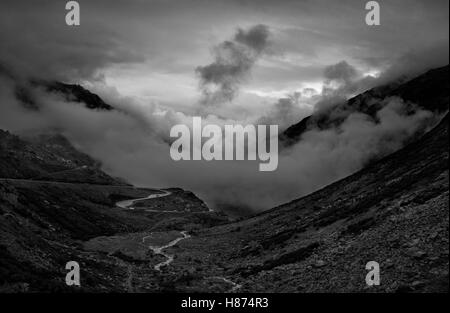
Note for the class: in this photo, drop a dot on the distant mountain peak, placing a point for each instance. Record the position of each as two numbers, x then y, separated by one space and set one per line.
76 93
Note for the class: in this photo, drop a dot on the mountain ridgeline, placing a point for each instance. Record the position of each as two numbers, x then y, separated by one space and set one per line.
78 94
25 91
428 91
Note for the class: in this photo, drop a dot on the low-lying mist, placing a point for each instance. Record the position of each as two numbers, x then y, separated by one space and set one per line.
132 142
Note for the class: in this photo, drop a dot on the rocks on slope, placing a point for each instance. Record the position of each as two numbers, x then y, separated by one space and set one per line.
48 157
394 212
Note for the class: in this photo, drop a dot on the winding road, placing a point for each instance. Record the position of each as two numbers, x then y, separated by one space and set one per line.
127 204
170 258
159 250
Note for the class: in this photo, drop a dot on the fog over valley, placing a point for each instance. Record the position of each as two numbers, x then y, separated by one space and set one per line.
258 70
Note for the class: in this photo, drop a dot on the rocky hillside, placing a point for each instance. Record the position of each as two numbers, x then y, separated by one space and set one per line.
429 91
394 212
48 157
53 198
43 225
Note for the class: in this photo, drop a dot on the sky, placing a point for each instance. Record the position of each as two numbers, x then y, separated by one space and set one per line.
151 49
236 61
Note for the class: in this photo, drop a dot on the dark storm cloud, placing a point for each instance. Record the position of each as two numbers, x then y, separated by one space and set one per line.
234 59
341 72
254 38
36 42
343 80
286 111
415 61
166 34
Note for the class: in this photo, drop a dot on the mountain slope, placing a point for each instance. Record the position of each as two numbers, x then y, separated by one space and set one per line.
53 198
430 91
77 93
48 157
394 212
25 91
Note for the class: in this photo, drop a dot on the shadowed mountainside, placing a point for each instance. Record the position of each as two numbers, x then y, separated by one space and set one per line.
48 157
394 212
24 91
53 198
430 91
77 93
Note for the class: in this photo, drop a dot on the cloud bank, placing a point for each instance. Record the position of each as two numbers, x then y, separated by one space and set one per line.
151 50
129 144
233 61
